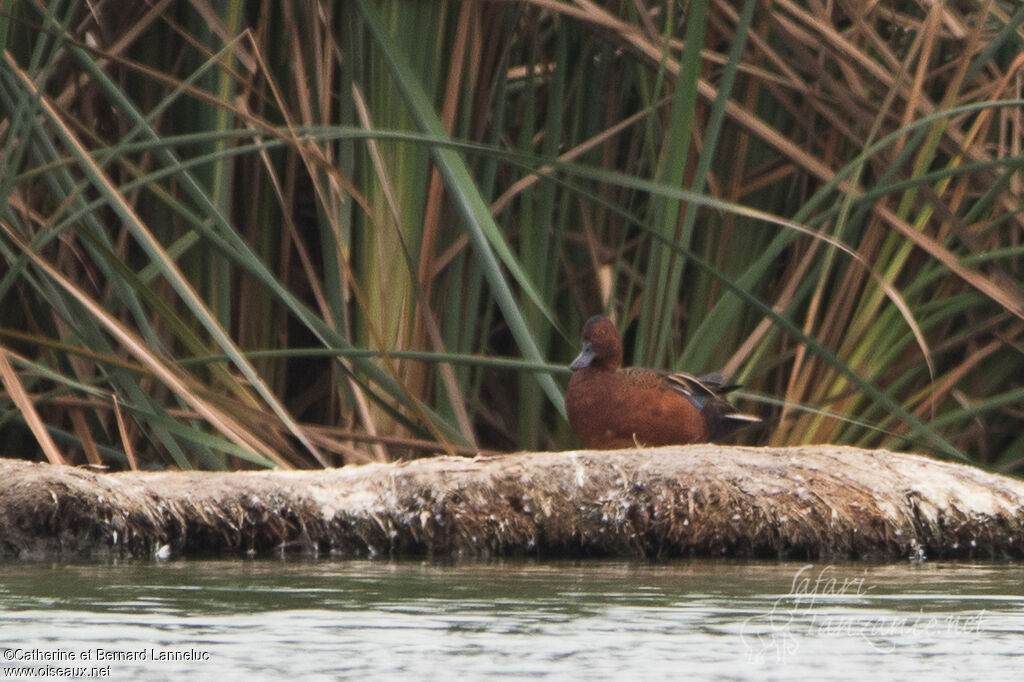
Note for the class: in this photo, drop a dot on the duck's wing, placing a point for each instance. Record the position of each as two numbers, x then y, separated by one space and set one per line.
715 381
704 392
699 390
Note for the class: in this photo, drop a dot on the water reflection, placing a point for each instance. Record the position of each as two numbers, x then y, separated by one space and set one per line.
559 620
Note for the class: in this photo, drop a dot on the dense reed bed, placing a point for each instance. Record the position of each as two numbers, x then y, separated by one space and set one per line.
305 234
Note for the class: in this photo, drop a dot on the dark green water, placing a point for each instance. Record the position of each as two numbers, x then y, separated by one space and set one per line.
228 620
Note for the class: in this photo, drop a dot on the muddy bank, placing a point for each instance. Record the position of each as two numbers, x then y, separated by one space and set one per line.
819 502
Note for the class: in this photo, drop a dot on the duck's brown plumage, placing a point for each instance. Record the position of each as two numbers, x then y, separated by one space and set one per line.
612 407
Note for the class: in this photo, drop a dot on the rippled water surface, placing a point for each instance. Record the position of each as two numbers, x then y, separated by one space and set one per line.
590 620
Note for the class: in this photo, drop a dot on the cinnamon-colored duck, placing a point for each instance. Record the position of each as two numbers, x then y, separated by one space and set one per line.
614 407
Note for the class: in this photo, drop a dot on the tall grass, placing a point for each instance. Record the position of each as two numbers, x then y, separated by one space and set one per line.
306 234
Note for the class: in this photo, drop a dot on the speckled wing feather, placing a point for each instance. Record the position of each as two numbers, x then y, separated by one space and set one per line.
641 377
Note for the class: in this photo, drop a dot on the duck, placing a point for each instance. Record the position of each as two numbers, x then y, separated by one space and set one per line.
612 407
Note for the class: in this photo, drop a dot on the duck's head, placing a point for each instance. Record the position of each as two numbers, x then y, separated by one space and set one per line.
601 345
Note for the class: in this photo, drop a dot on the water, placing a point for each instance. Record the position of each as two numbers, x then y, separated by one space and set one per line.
594 620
